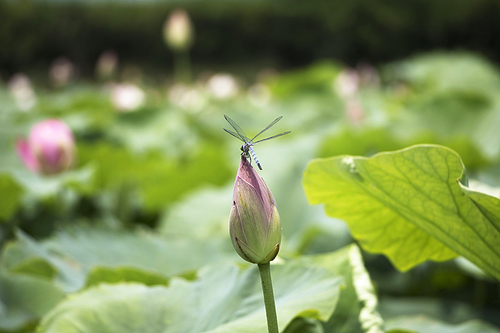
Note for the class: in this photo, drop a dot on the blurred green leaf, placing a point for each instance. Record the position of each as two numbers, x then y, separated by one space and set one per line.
90 105
168 132
75 252
82 180
449 94
304 325
423 324
317 78
408 205
10 196
453 312
223 299
24 299
203 214
448 71
160 180
369 141
124 274
35 266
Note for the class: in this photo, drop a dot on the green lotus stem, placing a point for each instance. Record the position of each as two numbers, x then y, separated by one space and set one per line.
267 289
182 66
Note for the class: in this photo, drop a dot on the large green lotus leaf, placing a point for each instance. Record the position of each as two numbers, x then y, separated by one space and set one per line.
409 206
423 324
24 299
356 311
223 299
74 252
10 196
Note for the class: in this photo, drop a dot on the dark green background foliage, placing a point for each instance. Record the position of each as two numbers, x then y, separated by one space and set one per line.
279 33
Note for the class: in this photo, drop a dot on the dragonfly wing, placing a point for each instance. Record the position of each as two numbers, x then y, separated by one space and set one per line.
267 127
241 134
236 135
272 137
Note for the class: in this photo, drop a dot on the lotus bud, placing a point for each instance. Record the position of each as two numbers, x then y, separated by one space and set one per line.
254 222
50 148
61 72
107 65
21 89
178 31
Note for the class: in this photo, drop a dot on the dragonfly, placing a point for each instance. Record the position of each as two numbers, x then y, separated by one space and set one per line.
247 147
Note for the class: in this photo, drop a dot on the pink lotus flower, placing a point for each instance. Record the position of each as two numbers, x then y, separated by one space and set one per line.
254 222
50 148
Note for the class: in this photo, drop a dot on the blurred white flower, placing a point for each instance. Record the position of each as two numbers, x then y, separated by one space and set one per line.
178 30
222 86
127 97
259 94
106 65
347 83
21 89
186 97
61 71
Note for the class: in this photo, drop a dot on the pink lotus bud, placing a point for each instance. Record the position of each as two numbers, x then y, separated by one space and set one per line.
21 89
254 222
178 31
49 149
61 71
107 65
347 83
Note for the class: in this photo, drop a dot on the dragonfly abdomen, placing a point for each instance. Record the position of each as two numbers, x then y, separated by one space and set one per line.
254 156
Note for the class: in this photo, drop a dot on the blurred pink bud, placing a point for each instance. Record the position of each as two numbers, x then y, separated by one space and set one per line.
50 148
61 71
178 30
107 65
21 89
347 83
254 222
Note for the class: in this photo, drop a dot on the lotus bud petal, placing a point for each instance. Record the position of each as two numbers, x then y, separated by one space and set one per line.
50 148
254 222
178 31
